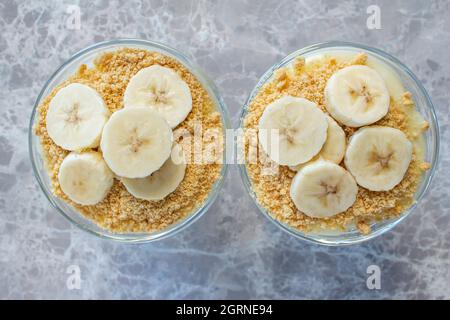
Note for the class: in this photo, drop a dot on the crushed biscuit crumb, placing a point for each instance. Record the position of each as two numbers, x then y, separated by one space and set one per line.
407 99
425 166
299 64
363 227
282 79
425 126
360 58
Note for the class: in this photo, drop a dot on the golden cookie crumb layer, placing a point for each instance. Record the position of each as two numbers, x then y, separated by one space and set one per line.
120 211
272 190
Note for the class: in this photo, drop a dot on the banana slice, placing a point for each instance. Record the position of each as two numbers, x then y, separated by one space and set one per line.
334 148
162 182
161 89
378 157
136 142
76 116
292 130
85 178
323 189
357 96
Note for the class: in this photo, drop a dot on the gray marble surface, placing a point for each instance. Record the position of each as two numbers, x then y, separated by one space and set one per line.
232 251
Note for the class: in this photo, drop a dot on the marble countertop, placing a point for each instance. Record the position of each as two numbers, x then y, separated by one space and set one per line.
232 251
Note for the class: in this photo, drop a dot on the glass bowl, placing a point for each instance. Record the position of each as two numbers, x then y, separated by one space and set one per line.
86 56
423 105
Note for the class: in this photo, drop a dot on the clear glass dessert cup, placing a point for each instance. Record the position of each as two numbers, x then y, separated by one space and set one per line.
68 68
424 106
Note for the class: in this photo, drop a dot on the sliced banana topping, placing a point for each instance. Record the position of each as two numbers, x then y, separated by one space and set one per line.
357 96
136 142
292 130
85 178
323 189
162 182
334 148
76 116
162 90
378 157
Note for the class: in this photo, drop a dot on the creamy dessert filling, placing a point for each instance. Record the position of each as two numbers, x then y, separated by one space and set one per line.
345 139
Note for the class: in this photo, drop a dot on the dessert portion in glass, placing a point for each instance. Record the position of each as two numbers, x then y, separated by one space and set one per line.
335 148
132 140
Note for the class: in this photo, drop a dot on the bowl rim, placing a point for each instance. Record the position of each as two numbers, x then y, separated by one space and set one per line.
434 161
138 237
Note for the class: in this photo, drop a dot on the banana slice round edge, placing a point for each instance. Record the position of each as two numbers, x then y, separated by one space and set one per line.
334 148
85 178
292 130
378 157
136 142
323 189
162 182
162 90
75 117
357 96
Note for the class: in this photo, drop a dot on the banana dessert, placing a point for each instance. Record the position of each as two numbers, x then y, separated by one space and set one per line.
117 141
343 140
